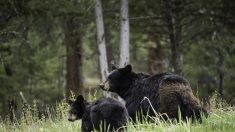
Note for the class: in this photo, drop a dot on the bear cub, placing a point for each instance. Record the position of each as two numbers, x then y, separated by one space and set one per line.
107 114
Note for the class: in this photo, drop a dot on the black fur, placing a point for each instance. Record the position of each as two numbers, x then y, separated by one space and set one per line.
101 113
133 87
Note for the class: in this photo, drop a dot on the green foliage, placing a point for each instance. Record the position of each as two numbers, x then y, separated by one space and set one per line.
32 45
32 33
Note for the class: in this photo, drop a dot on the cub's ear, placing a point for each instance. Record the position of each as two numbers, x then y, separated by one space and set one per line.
70 102
80 98
127 69
113 67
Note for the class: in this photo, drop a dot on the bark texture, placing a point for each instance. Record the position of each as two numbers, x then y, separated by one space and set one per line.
101 40
155 56
73 43
124 34
173 18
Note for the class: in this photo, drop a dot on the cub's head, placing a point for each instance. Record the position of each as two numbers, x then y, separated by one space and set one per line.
117 78
77 108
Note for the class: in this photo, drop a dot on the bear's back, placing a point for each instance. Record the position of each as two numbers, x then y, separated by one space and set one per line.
107 110
157 80
147 86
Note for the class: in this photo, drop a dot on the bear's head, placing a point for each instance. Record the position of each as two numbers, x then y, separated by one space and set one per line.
77 108
117 78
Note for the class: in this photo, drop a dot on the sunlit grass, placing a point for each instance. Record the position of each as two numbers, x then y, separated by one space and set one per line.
221 119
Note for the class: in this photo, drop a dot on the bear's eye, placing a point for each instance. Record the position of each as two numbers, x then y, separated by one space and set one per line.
72 111
109 78
115 75
112 78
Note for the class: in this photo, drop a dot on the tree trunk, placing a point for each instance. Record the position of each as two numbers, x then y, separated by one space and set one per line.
13 107
155 59
220 71
221 78
172 12
101 40
73 43
124 34
110 55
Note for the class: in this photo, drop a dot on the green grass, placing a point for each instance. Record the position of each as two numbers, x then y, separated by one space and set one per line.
221 119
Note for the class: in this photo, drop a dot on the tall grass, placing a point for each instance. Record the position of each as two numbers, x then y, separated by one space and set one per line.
222 118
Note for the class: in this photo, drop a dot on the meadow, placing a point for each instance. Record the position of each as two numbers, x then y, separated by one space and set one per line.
221 119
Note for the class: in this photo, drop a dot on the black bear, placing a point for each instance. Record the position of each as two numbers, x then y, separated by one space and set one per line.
148 94
105 113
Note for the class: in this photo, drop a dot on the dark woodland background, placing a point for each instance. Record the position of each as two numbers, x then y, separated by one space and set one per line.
48 47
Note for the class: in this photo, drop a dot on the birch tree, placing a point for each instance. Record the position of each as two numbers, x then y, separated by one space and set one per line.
124 34
101 40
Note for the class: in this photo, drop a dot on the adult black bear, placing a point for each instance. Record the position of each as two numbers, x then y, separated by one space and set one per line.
106 113
167 93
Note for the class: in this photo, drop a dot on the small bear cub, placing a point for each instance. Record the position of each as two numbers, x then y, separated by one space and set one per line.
107 114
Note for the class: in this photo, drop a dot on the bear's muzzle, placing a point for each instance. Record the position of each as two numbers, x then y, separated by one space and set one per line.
104 86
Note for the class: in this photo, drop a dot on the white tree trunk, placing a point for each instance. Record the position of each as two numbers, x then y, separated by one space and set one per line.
124 34
101 40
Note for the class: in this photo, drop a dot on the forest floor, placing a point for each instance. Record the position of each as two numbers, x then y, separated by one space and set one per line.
221 119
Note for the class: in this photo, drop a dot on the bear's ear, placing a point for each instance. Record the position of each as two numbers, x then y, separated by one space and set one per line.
127 69
70 102
113 67
80 98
